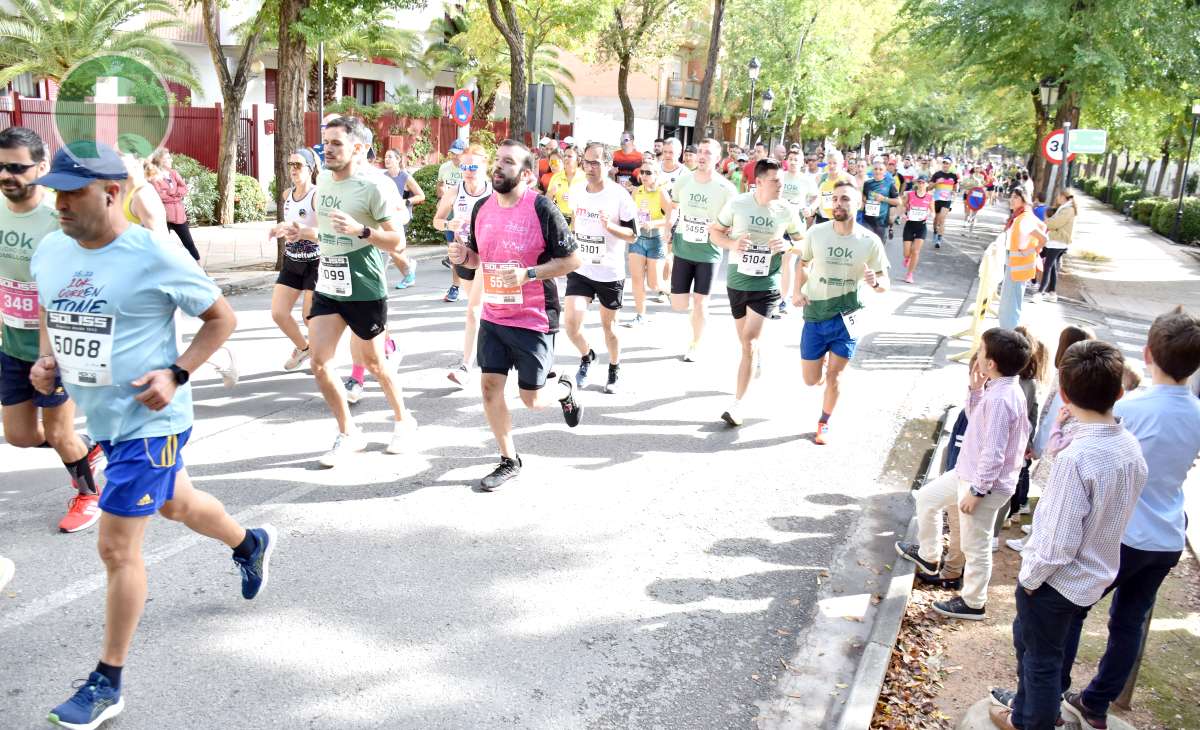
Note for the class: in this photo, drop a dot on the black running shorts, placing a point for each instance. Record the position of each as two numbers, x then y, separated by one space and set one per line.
692 276
366 319
502 348
607 292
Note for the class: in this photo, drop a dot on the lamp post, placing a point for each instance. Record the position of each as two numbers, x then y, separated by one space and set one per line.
751 71
1048 89
1175 229
768 101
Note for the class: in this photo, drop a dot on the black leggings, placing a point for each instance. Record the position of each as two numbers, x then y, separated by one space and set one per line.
185 237
1050 268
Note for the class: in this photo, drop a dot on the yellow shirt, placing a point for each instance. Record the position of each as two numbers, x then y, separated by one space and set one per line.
558 189
826 190
649 208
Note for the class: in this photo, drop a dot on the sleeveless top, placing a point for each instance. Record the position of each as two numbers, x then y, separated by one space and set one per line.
302 211
127 206
916 202
464 203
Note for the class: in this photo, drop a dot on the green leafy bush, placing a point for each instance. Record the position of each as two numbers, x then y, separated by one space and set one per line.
249 200
1164 219
1125 194
1143 209
420 228
1163 216
1100 191
201 199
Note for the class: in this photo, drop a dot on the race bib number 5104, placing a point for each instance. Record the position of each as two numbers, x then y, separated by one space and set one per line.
82 346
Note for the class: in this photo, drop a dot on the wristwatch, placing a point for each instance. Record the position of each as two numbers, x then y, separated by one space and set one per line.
977 493
531 274
366 232
181 375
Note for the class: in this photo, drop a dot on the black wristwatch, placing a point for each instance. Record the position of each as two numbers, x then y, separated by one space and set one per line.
531 274
977 493
366 232
181 375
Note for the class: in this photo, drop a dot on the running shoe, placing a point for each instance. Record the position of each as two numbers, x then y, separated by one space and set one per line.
297 359
911 552
1025 509
507 469
402 433
446 262
7 569
637 321
957 608
354 391
451 294
614 372
1086 717
82 512
229 373
1027 529
1015 543
891 233
783 306
937 240
95 457
733 415
821 437
460 375
659 297
585 362
691 354
908 278
255 568
1036 298
95 701
344 444
410 278
572 411
1052 297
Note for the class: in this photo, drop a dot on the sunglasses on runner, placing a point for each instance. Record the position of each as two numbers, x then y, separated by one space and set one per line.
16 168
296 165
468 168
647 171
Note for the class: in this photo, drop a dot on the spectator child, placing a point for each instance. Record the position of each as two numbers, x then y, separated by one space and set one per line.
1074 550
1033 374
1165 420
1054 403
983 480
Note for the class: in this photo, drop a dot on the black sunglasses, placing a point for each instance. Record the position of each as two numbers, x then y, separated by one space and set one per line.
16 168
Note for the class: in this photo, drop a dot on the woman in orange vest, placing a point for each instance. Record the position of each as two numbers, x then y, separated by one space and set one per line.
1024 236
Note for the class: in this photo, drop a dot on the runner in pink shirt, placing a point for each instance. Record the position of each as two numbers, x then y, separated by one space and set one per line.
519 242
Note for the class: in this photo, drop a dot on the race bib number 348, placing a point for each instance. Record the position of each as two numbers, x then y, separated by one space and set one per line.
82 346
18 304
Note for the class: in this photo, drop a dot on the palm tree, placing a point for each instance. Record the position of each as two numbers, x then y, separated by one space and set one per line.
380 39
46 38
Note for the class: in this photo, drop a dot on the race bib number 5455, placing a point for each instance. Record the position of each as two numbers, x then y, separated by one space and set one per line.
82 346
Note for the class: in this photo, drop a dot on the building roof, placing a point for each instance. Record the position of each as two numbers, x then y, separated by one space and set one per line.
191 29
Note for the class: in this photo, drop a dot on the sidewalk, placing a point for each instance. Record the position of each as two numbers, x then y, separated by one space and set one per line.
240 256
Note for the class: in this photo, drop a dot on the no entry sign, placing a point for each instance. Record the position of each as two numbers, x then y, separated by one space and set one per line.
464 107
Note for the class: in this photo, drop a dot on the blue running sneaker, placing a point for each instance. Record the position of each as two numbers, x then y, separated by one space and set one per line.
411 277
255 568
95 701
451 294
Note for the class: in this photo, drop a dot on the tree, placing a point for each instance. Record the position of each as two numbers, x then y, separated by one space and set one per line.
292 54
504 18
46 39
233 93
710 65
638 36
485 64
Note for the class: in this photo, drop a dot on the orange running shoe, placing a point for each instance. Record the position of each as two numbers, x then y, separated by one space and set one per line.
82 512
822 433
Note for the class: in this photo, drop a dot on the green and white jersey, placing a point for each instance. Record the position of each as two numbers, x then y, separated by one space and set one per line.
757 269
699 203
836 268
351 268
20 234
449 174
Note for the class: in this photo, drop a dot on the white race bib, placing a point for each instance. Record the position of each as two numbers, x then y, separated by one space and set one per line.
916 215
695 230
755 261
591 247
872 209
494 291
827 201
18 304
82 346
333 276
850 320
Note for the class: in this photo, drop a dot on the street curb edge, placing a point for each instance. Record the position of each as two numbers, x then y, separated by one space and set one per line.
229 288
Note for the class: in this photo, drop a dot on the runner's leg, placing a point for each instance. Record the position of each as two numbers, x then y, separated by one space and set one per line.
608 322
283 299
787 270
324 332
471 327
59 426
833 371
370 354
496 409
813 371
120 548
915 255
574 311
749 329
201 512
637 274
699 316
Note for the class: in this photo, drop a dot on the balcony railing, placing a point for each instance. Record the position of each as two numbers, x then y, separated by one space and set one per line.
677 88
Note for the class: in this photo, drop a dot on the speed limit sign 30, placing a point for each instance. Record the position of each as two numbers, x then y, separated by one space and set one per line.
1052 147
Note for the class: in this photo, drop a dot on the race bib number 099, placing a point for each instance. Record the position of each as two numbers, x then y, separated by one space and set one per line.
333 276
82 346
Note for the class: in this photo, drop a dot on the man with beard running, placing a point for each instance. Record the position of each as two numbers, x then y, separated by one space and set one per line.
519 242
698 196
835 258
604 222
26 217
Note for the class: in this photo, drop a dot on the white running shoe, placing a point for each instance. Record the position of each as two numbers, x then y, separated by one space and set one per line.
1037 298
1016 543
460 376
1027 529
690 355
1052 297
297 359
344 444
402 434
1025 509
354 391
229 374
7 569
637 321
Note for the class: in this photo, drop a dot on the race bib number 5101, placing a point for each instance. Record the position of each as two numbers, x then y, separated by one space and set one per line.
82 346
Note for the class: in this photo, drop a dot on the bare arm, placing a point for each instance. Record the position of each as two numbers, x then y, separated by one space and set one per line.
219 322
443 213
414 187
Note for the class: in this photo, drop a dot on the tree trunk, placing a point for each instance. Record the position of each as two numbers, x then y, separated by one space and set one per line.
1162 165
1178 186
710 66
1146 179
233 92
1137 165
623 92
289 104
1128 162
1038 169
1112 174
510 28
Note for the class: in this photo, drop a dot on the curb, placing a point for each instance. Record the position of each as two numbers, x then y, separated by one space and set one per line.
877 653
229 288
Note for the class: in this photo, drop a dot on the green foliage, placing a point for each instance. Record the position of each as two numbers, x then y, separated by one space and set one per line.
1164 219
1100 189
1121 192
249 201
487 139
422 146
420 228
201 199
1143 210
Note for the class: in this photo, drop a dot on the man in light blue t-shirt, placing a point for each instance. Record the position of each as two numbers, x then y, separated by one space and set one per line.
108 291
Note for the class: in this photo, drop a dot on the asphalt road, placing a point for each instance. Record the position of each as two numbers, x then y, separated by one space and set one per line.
650 569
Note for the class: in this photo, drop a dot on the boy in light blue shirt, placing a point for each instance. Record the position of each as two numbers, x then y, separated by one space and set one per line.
1165 418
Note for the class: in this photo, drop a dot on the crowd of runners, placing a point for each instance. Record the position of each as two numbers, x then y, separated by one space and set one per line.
534 237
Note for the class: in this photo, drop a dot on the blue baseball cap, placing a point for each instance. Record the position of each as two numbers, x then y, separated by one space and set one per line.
458 146
81 163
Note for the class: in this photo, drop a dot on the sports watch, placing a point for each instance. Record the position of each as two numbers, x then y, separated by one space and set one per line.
181 375
366 232
531 274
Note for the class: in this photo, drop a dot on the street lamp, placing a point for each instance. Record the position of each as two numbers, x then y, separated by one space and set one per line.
768 101
1175 229
1048 88
751 71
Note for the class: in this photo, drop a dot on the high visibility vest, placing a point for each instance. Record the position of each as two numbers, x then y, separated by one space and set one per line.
1022 253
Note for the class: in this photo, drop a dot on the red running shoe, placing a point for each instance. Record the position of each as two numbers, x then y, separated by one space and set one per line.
82 512
822 434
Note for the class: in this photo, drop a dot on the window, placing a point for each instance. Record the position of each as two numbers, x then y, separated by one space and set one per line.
363 91
26 86
270 84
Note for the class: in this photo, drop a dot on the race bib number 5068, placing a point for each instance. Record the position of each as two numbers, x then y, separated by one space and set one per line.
82 346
